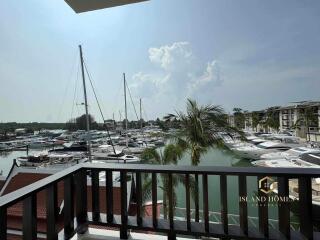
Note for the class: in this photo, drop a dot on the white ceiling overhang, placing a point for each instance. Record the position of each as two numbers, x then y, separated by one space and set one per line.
80 6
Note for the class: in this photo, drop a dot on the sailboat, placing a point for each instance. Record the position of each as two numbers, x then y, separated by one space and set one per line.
105 153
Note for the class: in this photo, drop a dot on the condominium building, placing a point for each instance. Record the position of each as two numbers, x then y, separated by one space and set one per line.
291 118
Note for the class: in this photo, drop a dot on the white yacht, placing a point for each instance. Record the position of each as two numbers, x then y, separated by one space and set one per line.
40 143
255 151
231 141
116 155
4 146
307 160
291 153
52 159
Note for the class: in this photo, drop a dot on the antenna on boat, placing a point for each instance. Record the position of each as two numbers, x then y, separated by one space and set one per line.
125 106
86 104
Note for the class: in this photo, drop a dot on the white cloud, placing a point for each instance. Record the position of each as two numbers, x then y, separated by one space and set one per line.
171 57
179 76
210 77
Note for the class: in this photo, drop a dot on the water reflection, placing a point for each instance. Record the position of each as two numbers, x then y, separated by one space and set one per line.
4 153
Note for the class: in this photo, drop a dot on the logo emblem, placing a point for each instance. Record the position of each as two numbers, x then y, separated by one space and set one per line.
266 185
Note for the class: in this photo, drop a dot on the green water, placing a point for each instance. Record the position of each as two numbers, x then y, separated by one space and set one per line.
221 157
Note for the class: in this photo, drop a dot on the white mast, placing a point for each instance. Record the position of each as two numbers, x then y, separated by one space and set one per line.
86 104
140 114
125 106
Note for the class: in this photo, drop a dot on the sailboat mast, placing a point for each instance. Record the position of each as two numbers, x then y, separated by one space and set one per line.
140 114
85 103
125 106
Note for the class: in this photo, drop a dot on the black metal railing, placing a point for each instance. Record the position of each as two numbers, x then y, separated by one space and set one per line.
77 218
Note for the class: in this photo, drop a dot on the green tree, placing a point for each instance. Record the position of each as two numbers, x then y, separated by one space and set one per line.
272 119
239 118
199 130
255 120
307 117
169 155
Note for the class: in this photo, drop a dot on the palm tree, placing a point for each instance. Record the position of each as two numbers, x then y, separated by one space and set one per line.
272 119
239 117
169 155
199 128
199 131
308 117
255 120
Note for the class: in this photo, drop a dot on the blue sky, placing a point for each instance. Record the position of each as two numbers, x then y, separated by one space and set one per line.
249 54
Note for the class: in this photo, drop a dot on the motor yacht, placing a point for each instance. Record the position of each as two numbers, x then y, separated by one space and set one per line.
46 159
291 153
113 154
115 157
255 151
5 146
306 160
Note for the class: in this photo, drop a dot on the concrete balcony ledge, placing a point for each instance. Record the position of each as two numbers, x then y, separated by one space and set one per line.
102 234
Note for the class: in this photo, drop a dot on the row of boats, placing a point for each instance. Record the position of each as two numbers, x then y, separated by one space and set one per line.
273 150
279 151
69 149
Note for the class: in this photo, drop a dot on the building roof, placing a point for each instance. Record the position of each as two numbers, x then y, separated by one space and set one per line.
89 5
302 104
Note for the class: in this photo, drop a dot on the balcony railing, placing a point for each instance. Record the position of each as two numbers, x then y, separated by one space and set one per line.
77 218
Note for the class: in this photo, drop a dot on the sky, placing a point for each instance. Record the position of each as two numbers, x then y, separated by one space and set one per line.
249 54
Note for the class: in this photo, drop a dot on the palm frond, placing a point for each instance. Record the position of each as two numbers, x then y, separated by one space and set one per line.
150 155
146 190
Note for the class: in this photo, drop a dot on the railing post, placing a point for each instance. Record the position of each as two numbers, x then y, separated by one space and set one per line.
154 200
95 195
263 207
139 198
224 203
187 183
205 202
81 201
243 208
52 212
3 223
284 207
68 209
109 197
29 220
124 205
305 207
172 234
196 198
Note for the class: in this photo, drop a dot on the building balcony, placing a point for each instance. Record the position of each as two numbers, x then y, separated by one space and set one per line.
81 218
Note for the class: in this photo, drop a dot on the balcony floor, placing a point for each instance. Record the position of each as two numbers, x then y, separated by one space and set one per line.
98 234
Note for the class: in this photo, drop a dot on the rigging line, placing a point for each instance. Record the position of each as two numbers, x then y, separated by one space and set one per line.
116 104
143 135
144 112
75 90
134 107
67 86
95 95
